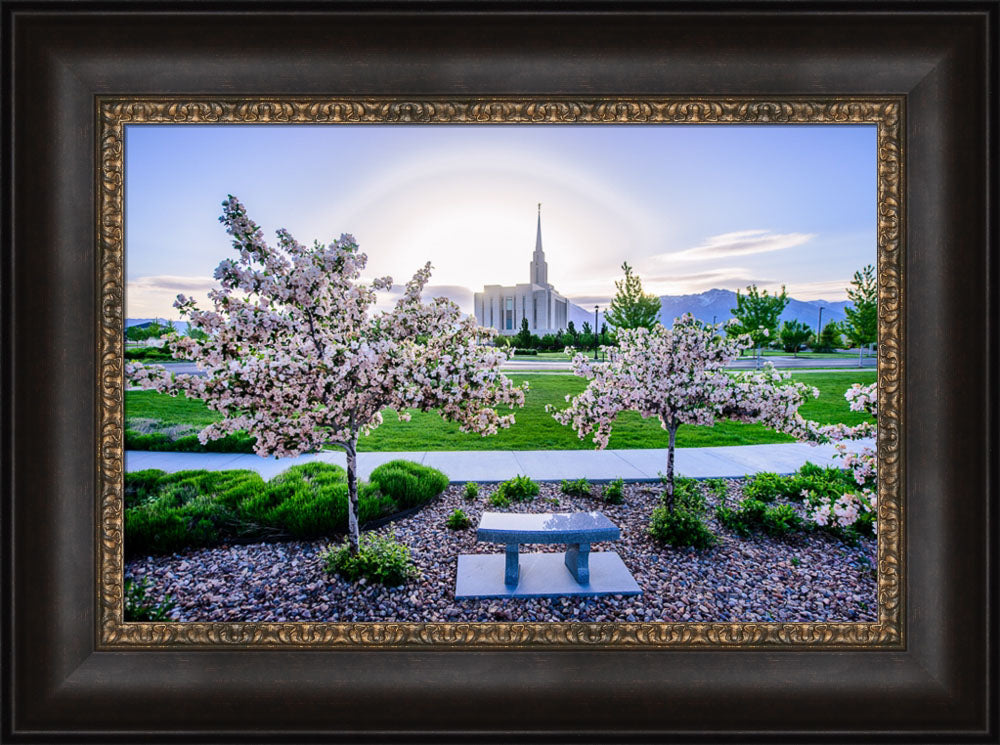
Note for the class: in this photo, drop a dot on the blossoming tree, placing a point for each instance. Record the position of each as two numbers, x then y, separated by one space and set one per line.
859 506
678 376
296 355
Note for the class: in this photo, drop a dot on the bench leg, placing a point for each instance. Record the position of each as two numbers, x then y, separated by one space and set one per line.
578 562
511 568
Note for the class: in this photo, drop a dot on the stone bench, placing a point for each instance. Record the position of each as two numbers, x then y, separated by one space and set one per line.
599 573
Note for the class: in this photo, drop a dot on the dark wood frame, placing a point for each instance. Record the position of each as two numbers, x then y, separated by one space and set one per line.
58 56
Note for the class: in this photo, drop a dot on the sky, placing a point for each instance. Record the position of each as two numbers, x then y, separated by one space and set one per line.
691 207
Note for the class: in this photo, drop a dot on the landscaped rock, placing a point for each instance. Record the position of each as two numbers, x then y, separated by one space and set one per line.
741 579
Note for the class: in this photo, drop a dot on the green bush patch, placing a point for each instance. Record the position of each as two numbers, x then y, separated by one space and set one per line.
379 560
680 528
140 607
168 512
458 520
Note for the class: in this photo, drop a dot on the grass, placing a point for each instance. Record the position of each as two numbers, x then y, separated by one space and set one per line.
537 430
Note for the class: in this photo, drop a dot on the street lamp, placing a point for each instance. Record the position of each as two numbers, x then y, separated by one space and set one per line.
819 324
595 333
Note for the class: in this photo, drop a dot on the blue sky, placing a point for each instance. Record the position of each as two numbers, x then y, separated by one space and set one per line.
690 206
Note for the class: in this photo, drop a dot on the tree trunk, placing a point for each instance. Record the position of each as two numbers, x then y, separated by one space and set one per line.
353 530
669 495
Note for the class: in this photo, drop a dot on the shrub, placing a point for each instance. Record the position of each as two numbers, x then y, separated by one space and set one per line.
238 442
140 607
754 515
499 499
409 484
614 492
519 489
141 485
576 488
765 487
458 520
687 496
379 559
526 352
471 490
680 528
781 520
200 508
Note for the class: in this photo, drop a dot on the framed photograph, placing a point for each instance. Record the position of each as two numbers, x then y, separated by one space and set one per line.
670 410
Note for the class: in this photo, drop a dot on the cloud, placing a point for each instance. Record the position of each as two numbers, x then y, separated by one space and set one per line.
732 278
739 243
832 290
153 296
585 301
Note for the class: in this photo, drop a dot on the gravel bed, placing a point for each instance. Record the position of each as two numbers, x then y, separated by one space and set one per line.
805 577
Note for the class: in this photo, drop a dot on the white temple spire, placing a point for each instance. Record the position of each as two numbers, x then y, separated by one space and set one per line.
539 267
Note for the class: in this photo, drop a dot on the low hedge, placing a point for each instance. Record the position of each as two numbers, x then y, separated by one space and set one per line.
238 442
188 509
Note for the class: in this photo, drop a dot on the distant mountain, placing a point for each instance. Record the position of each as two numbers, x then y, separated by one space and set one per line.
717 305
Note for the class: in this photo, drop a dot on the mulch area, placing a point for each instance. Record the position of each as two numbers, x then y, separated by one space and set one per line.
809 576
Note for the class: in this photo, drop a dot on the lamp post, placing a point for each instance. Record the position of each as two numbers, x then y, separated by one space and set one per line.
819 324
595 333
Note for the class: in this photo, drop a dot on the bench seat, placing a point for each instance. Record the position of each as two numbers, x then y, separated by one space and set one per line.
546 527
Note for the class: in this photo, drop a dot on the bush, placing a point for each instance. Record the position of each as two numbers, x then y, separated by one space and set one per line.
680 528
458 520
576 488
409 484
499 499
148 354
519 489
471 490
781 520
379 560
141 485
165 513
687 496
238 442
766 487
614 492
526 352
754 515
139 607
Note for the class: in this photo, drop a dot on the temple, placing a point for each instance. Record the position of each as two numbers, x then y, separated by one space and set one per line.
503 308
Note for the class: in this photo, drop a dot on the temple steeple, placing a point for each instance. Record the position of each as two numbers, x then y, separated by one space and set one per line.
539 267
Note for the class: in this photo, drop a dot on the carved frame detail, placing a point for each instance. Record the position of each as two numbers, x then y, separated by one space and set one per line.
113 114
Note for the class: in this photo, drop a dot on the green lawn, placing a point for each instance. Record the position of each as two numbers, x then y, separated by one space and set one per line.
537 430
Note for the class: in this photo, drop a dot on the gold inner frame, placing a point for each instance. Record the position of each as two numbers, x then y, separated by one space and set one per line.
113 113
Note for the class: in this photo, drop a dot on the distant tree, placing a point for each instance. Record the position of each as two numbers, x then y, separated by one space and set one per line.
548 342
586 340
861 325
794 335
523 337
631 308
573 333
153 330
196 333
586 329
756 314
829 338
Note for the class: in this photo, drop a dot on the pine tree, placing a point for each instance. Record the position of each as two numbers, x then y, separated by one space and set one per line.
829 337
794 335
631 307
861 326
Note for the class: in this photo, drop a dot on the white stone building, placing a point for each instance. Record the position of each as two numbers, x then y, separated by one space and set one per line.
502 308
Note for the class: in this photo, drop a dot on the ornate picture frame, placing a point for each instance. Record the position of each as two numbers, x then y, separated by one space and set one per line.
72 670
885 113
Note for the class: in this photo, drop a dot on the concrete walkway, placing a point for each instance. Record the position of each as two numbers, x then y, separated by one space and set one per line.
542 465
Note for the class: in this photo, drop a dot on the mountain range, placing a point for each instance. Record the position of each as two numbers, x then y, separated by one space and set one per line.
716 305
